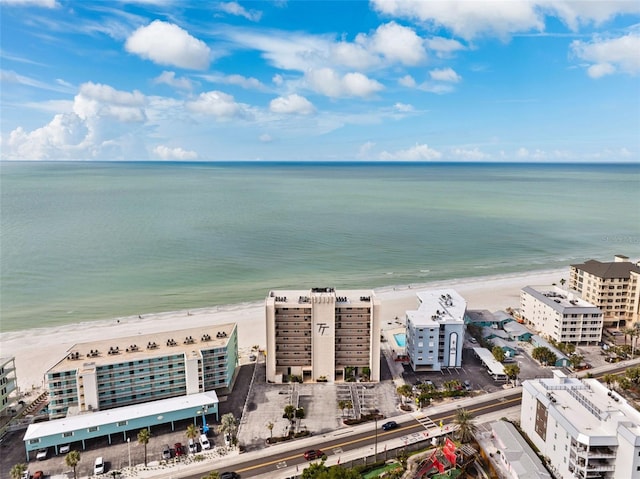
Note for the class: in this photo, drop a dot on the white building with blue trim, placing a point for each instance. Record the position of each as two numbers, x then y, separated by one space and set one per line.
435 331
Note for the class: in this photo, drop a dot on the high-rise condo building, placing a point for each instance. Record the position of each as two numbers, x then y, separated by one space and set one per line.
435 331
322 335
132 370
583 429
561 315
8 384
614 287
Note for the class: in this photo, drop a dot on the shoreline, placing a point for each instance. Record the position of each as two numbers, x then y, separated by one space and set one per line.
38 349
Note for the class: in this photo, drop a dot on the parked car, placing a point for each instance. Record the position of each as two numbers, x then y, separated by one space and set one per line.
166 452
204 442
37 475
42 454
65 449
193 447
179 448
230 475
227 439
98 466
467 385
25 475
312 454
388 426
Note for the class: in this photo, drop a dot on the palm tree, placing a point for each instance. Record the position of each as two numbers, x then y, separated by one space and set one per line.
17 471
404 391
192 432
143 438
72 459
466 427
270 426
290 413
229 425
512 371
609 379
498 353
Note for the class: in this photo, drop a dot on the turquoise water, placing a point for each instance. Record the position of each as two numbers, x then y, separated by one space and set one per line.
401 339
86 241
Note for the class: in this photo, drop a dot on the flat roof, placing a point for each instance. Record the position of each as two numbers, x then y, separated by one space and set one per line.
561 300
302 297
83 354
125 413
513 327
601 411
438 306
486 356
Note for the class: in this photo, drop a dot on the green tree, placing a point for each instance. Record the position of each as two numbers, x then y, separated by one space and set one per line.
562 281
512 371
404 391
466 426
318 470
544 355
17 471
270 426
229 425
212 475
575 360
72 459
498 353
633 374
143 438
423 399
609 379
192 432
624 383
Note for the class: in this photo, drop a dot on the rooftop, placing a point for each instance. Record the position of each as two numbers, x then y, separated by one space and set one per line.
438 306
353 297
609 270
519 454
602 412
559 299
143 346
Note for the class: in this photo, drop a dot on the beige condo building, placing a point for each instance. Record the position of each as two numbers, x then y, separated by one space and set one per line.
613 287
322 335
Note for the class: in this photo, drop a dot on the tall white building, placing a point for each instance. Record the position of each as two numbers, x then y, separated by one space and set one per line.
8 384
435 331
560 315
584 429
322 335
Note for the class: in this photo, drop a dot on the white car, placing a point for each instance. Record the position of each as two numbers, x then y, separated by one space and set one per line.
98 466
65 449
42 454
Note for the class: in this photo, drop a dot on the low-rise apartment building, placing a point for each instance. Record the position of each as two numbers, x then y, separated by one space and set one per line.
322 335
583 429
132 370
561 315
614 287
435 331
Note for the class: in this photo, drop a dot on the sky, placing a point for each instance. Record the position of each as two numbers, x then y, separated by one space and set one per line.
379 80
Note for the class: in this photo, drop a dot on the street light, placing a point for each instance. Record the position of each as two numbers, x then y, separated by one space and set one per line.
129 449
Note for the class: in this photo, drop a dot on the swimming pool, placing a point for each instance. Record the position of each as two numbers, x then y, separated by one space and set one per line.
401 339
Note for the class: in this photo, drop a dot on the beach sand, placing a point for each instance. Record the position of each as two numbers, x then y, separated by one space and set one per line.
37 350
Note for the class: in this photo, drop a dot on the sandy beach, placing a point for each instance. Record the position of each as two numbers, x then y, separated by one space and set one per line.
36 350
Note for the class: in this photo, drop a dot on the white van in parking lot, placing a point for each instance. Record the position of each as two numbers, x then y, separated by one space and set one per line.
204 442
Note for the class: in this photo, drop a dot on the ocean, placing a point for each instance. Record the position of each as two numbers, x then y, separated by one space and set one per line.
85 241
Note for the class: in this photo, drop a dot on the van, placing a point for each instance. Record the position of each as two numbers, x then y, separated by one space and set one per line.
204 442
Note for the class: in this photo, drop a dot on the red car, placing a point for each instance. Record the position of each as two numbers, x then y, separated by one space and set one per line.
313 454
179 449
38 475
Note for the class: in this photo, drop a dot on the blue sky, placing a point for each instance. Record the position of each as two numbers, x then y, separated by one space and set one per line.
528 80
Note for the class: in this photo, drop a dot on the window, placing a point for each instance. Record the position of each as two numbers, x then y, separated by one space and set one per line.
92 429
122 423
67 434
34 441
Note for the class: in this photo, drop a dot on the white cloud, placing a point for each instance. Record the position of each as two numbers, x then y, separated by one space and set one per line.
218 104
167 153
330 83
292 104
265 138
608 56
469 155
62 138
234 8
403 107
407 81
277 79
31 3
445 74
437 88
364 152
9 76
169 78
168 44
444 47
415 153
248 83
353 55
469 19
397 43
98 100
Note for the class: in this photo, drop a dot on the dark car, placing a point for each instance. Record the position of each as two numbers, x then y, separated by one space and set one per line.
179 448
313 454
388 426
230 475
